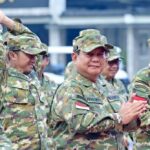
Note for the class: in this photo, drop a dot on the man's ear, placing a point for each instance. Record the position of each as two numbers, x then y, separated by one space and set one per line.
74 56
11 55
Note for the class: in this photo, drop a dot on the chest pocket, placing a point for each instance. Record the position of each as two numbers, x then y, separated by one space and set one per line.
115 102
16 91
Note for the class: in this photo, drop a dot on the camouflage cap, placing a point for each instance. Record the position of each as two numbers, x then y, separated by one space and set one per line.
113 54
88 40
44 48
26 43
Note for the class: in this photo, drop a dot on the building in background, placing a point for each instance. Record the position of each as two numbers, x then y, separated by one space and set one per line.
126 23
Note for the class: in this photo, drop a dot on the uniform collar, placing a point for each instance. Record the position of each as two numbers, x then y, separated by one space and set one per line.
83 81
14 72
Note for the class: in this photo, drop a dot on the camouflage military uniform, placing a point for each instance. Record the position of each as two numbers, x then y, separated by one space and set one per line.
82 117
112 88
141 86
5 143
23 113
49 88
115 92
70 68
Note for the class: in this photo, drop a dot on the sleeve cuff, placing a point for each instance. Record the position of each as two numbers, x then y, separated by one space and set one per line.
118 121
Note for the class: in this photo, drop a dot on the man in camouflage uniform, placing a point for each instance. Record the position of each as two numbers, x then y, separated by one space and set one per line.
47 85
140 85
111 86
25 103
23 114
81 116
114 90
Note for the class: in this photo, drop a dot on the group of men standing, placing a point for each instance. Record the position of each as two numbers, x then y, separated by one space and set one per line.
89 110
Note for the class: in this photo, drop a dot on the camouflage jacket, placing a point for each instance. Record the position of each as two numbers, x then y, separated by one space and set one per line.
5 142
23 114
116 94
48 87
114 90
141 83
141 86
81 117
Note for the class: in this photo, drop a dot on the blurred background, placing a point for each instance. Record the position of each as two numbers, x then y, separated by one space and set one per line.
126 24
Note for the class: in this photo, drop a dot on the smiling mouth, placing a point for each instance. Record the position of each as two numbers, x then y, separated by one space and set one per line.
94 66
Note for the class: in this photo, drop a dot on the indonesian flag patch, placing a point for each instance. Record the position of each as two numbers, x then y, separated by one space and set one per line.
81 105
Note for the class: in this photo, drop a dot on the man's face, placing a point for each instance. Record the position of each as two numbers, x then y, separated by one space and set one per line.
110 69
90 64
23 62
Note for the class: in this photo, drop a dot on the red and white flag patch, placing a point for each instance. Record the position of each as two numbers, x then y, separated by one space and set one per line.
81 105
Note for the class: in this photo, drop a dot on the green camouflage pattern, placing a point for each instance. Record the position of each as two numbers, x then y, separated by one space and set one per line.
113 54
141 86
20 29
2 53
141 83
39 58
114 89
48 87
23 114
116 94
5 143
25 43
82 117
88 40
70 69
24 39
